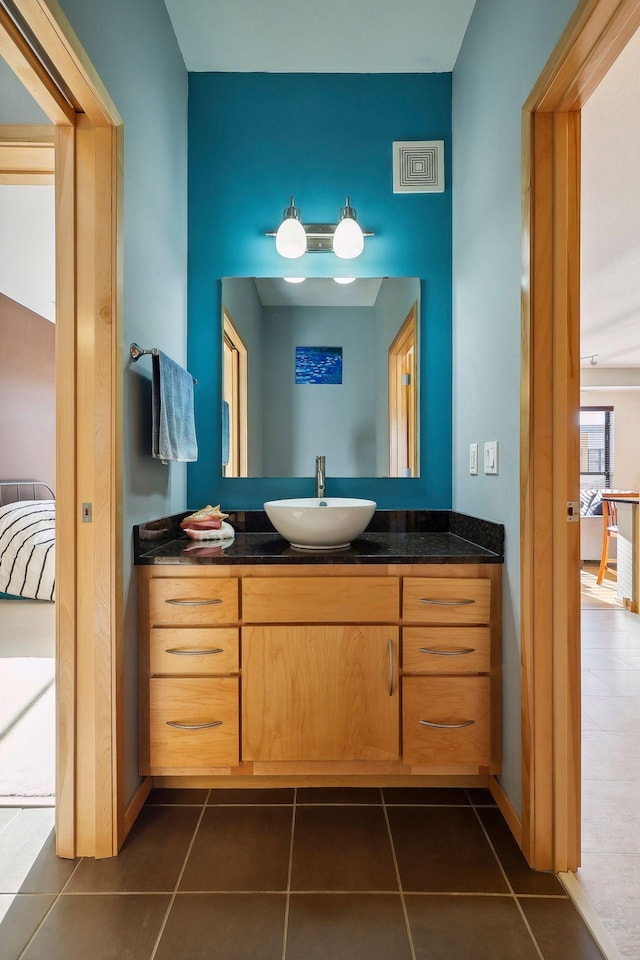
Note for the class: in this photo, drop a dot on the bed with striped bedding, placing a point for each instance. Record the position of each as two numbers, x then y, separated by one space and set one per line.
27 549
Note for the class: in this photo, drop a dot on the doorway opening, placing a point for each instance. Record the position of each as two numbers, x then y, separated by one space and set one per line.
27 441
87 133
550 453
609 872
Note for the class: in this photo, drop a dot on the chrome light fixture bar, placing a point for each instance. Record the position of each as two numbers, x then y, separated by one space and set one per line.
319 236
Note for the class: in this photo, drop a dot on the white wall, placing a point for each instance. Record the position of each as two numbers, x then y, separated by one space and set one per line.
27 247
626 441
505 48
610 226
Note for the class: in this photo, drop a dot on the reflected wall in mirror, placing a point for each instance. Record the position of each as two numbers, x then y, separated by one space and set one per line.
365 426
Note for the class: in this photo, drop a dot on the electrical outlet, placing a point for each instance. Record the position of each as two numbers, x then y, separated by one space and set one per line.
491 457
473 459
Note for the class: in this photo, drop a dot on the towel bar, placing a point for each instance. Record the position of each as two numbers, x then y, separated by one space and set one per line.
135 352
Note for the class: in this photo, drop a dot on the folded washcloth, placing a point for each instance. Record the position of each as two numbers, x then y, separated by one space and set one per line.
173 428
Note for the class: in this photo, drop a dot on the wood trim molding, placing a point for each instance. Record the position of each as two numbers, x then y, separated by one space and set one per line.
136 803
27 155
550 626
50 26
506 809
66 499
15 50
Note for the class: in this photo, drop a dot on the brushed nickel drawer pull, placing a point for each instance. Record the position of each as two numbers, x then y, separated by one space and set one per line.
178 652
193 726
444 653
446 603
391 668
193 603
447 726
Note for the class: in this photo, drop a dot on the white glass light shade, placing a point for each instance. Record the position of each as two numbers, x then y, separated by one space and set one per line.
348 240
295 279
291 240
344 279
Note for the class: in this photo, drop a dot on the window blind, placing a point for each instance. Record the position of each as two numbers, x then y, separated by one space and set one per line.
596 448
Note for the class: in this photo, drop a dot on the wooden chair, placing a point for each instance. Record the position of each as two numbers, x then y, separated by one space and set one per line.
610 527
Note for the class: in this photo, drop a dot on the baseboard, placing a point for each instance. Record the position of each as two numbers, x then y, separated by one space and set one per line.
136 804
587 911
506 809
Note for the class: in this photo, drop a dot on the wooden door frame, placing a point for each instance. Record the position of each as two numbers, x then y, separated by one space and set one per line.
90 814
407 332
550 590
238 419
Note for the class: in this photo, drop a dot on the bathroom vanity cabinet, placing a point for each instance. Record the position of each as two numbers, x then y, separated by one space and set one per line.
335 671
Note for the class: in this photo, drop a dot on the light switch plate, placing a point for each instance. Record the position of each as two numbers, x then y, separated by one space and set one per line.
491 457
473 459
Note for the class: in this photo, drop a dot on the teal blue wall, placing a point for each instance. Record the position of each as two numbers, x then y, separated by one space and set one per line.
254 139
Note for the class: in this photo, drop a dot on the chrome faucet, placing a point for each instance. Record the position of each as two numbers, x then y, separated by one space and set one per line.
320 477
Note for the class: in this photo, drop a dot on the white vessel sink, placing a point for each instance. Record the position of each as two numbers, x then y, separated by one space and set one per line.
313 523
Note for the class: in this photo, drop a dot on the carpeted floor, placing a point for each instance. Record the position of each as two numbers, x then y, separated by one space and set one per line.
27 701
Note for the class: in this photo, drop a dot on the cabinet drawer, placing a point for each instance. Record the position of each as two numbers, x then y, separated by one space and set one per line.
193 601
446 721
193 651
445 649
194 722
435 600
320 599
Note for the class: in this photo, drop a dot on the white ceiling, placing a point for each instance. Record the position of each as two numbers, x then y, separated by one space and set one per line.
320 36
317 292
610 256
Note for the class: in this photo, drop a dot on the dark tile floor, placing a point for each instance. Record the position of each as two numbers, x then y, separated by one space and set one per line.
307 874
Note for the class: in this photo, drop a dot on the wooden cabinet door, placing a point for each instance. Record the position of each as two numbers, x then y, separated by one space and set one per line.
320 693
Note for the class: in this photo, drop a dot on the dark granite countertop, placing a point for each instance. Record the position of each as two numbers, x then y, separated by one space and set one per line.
393 536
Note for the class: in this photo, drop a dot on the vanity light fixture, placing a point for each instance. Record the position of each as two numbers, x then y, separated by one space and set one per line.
343 279
294 238
294 279
348 240
291 240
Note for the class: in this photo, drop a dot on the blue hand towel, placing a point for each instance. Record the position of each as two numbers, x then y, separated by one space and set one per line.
173 429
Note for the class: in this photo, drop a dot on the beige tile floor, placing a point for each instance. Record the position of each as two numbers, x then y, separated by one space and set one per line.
610 872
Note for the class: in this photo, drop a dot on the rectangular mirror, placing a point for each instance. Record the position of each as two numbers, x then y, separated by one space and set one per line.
320 367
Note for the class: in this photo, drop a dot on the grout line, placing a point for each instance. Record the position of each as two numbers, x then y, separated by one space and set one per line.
285 931
179 878
398 880
48 913
509 886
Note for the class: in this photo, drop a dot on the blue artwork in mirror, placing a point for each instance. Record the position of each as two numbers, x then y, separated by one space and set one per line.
318 364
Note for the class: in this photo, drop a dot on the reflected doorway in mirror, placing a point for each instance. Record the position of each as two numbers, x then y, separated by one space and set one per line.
403 400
